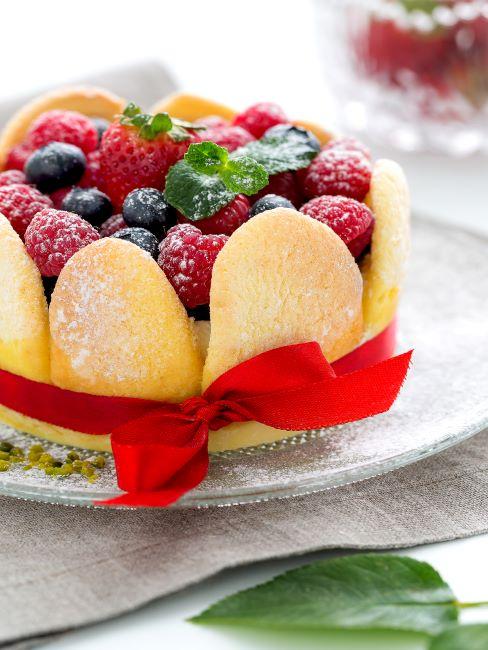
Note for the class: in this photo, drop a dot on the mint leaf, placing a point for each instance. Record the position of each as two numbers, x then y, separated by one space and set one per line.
194 194
466 637
244 175
210 179
206 157
354 592
281 152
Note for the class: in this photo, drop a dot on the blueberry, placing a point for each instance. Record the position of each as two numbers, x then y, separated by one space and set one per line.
49 284
140 237
147 208
268 202
55 166
202 312
299 134
101 126
91 204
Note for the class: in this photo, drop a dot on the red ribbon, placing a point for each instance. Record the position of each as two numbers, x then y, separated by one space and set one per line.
160 449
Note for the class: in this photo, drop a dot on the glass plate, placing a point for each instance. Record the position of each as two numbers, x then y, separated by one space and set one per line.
443 315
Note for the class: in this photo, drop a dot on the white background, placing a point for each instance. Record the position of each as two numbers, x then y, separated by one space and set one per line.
239 53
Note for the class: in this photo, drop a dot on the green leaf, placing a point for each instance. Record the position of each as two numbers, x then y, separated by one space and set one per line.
466 637
194 194
206 157
280 153
244 175
131 110
354 592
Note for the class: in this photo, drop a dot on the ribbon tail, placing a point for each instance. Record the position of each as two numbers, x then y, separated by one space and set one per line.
185 480
158 458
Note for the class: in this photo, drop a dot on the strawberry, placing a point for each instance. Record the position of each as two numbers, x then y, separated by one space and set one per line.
138 150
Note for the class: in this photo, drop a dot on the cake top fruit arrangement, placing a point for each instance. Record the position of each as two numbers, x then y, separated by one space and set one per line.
175 188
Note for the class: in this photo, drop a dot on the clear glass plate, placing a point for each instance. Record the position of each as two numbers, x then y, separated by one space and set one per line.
444 316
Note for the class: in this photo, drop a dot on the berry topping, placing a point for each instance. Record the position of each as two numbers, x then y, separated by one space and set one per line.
297 133
269 202
187 257
140 237
53 236
54 166
101 126
19 203
128 161
230 137
91 204
17 157
147 208
226 220
257 119
348 143
57 197
351 220
12 177
284 184
212 122
112 224
337 171
63 126
92 176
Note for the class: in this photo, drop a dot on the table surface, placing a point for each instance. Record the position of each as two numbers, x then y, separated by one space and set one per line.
238 57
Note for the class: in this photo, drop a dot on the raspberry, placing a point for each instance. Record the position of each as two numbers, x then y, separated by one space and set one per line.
12 177
17 157
53 236
112 225
212 122
260 117
19 203
230 137
226 220
336 171
187 257
284 184
57 197
63 126
348 143
351 220
92 176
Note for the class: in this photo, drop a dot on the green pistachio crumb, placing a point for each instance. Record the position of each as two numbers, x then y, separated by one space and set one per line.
4 465
26 468
73 455
98 461
17 459
4 455
17 451
64 470
87 470
77 465
5 446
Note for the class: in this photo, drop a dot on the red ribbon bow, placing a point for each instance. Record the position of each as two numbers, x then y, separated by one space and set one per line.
160 449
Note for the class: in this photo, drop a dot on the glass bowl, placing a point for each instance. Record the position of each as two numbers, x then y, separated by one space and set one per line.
409 73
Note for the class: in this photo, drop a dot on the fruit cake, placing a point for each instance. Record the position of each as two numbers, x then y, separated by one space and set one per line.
144 254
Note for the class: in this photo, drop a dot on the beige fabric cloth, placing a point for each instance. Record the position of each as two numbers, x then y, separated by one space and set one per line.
65 567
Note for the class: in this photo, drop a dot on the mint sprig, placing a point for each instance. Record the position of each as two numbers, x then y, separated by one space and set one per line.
464 637
207 179
150 126
280 152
